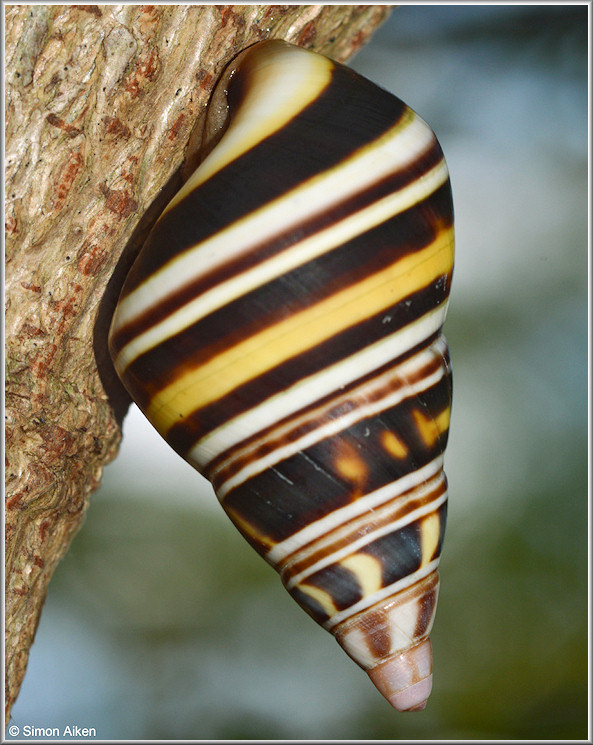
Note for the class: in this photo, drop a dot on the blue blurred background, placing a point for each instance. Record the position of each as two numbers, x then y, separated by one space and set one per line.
161 623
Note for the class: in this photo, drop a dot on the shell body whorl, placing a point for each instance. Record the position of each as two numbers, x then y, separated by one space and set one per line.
281 329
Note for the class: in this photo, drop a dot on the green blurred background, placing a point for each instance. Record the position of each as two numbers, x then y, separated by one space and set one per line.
161 623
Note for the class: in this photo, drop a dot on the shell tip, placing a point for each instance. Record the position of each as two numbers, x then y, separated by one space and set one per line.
413 698
405 680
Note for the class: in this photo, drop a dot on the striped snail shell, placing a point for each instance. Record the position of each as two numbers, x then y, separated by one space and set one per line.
281 329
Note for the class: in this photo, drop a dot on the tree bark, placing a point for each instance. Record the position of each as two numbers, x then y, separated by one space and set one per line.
101 102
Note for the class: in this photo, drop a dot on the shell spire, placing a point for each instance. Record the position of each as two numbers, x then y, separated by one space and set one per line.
281 328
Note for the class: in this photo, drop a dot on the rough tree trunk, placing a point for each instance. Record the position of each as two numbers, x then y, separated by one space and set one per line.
101 102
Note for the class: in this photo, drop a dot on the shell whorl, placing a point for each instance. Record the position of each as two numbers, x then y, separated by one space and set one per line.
281 328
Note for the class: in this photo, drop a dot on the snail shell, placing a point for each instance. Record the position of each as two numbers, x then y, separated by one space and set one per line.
281 328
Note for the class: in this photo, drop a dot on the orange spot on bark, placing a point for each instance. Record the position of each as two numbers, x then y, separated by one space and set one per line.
41 362
57 442
29 331
70 130
146 71
66 179
205 79
307 35
119 201
274 10
226 13
15 501
92 9
43 530
115 127
174 131
91 259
